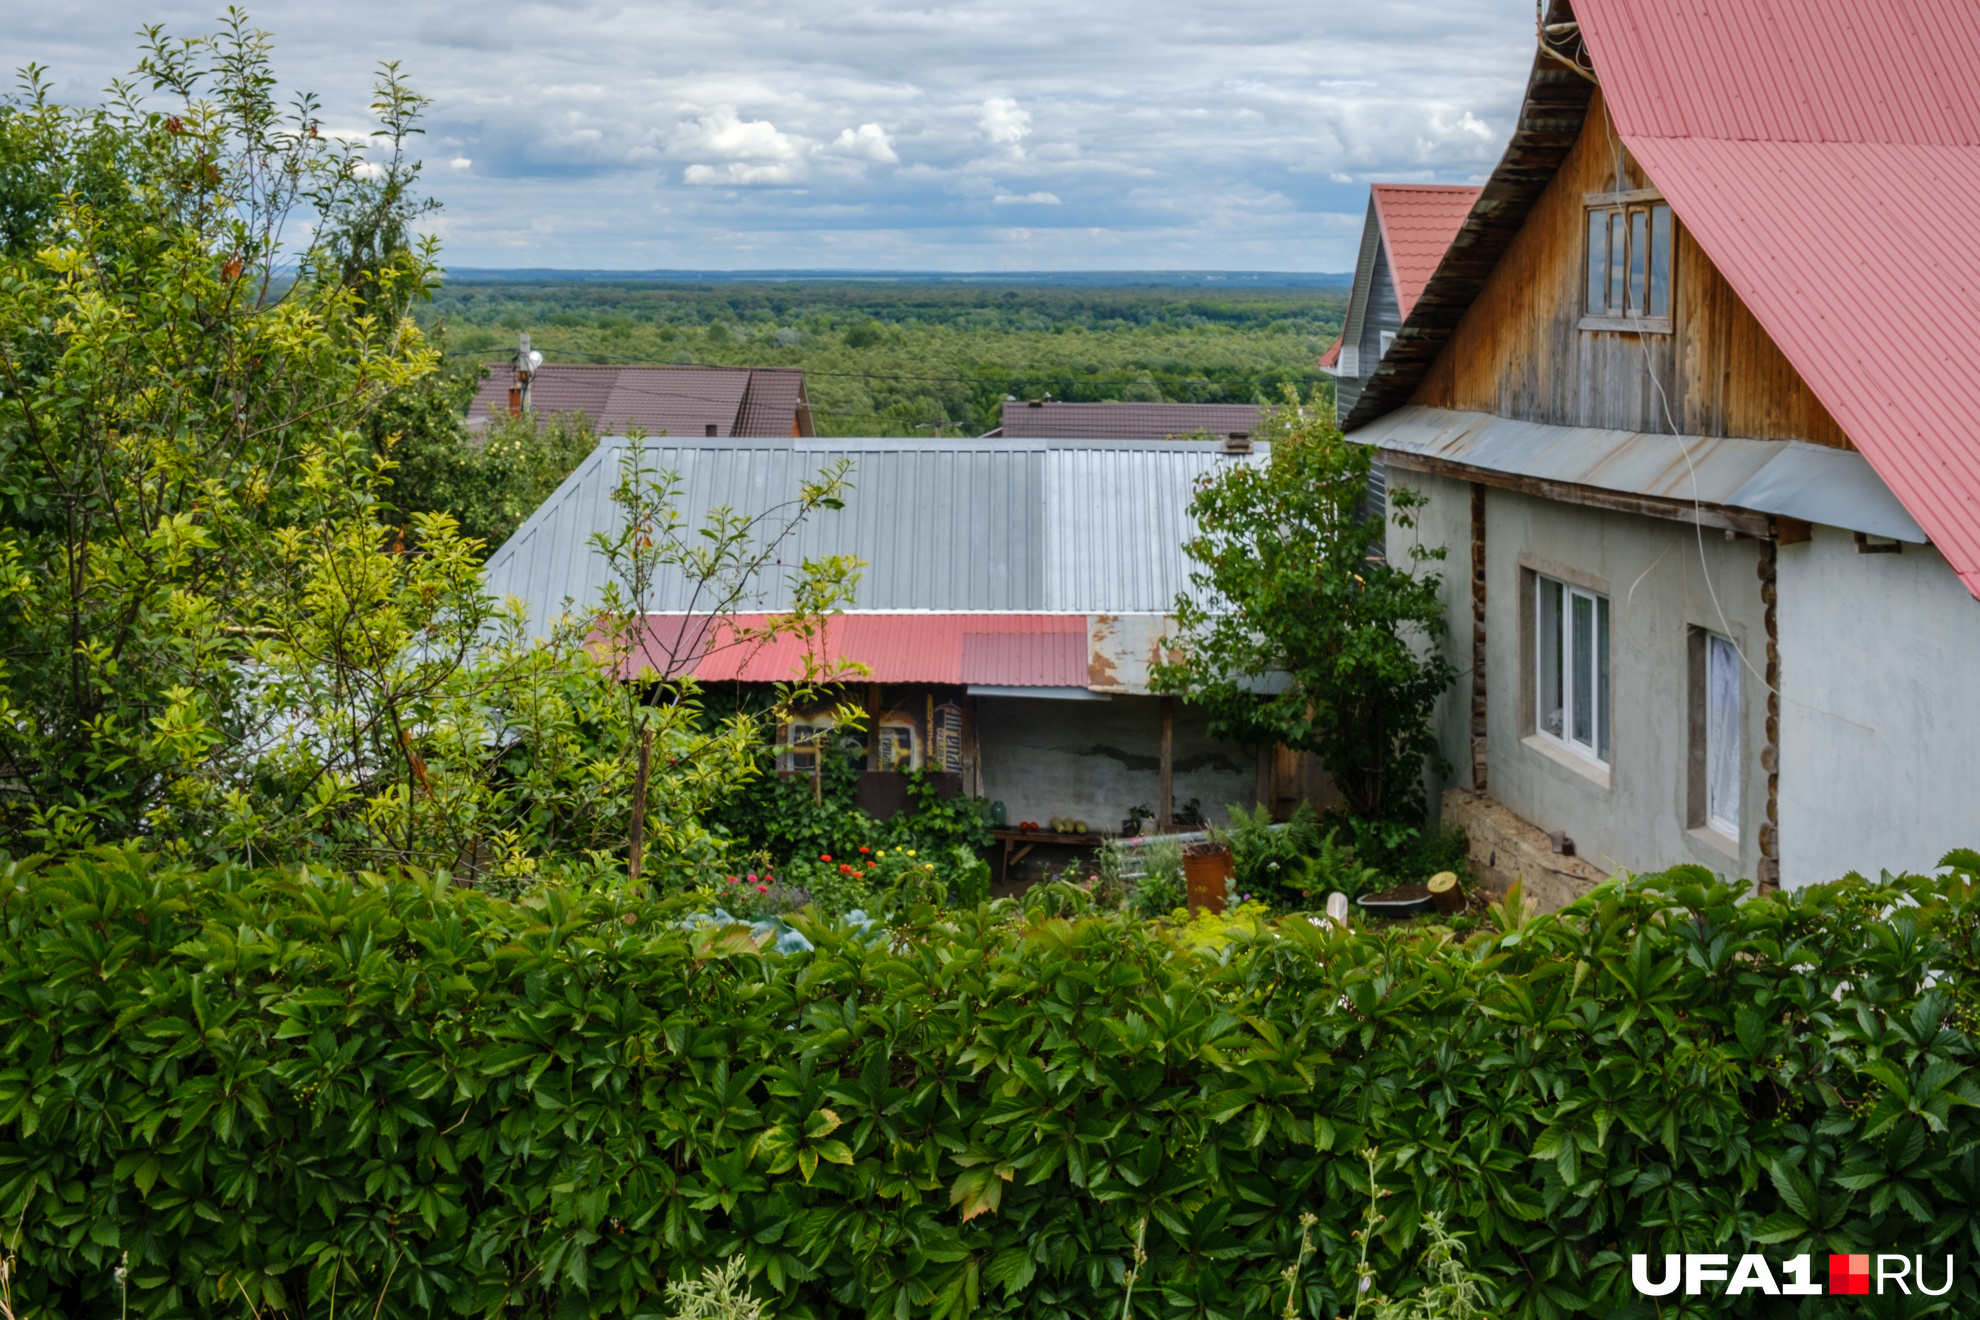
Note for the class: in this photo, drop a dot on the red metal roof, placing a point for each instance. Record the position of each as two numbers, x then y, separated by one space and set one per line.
1418 221
1003 650
1332 356
1826 156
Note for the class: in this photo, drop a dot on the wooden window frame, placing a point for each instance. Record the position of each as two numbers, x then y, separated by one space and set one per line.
1628 203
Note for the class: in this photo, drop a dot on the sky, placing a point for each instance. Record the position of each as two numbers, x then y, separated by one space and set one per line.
840 134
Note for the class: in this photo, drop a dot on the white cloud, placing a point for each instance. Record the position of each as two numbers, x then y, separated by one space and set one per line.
722 132
460 164
1005 124
1026 199
739 173
757 153
867 142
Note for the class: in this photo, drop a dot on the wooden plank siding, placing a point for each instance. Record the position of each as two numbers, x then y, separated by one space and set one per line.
1519 351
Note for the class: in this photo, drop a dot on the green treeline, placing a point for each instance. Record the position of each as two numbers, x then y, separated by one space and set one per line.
885 359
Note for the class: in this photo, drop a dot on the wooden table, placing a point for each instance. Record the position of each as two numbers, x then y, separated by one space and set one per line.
1029 839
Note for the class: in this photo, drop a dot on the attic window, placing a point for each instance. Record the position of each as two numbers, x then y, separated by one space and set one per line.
1630 240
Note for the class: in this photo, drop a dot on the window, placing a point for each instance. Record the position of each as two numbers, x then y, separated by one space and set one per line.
1388 337
801 740
1715 742
900 747
1629 264
1571 700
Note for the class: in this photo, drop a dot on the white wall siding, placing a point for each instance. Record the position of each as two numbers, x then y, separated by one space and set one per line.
1880 710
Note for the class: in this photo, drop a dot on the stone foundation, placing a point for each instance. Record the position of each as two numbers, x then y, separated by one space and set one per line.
1502 847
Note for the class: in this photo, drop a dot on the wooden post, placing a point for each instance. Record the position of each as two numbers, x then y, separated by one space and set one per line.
635 854
1165 805
872 726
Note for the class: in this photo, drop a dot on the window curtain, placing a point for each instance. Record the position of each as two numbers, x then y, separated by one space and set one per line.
1722 764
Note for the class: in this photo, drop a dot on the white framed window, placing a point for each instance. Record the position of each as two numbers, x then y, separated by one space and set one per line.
1571 669
1388 337
1716 710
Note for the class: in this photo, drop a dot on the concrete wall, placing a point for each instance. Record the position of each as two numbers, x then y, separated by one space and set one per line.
1446 522
1095 759
1660 583
1880 710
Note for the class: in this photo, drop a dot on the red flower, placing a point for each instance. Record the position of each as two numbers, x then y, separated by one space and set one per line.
763 889
824 857
732 879
863 850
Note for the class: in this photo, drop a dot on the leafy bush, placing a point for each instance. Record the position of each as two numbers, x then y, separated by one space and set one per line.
775 819
1264 859
271 1087
1162 887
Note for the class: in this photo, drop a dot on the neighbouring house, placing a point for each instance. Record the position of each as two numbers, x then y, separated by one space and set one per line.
1408 228
1013 598
1692 390
762 402
1048 419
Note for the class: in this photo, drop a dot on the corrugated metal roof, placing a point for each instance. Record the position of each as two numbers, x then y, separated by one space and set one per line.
675 401
1418 222
1826 156
1024 526
1009 650
1047 419
1810 482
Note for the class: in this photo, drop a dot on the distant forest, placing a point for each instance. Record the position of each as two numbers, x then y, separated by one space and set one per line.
919 359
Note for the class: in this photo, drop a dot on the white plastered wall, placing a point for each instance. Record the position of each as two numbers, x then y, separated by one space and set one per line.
1662 578
1880 710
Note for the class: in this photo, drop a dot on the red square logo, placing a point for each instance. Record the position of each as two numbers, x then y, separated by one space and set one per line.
1849 1275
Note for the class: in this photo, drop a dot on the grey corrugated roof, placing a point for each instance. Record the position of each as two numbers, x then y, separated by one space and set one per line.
1035 526
1050 419
1832 486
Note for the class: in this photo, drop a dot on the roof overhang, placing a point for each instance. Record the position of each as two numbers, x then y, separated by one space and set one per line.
1550 120
1734 484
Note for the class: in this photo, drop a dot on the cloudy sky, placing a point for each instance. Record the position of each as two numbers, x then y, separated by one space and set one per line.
870 134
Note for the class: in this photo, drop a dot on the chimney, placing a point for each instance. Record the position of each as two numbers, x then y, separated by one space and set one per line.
711 430
1237 442
526 364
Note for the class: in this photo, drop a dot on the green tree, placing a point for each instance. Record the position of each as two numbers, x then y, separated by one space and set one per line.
180 337
1298 631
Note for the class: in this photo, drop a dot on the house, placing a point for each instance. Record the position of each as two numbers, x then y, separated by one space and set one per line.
1049 419
1408 228
1692 391
1013 597
659 400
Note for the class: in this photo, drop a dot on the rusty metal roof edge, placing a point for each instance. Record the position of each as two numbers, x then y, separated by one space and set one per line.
1835 487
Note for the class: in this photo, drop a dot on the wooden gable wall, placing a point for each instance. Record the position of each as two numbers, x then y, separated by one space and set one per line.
1519 350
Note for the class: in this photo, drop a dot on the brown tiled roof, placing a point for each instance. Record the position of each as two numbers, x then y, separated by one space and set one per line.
1049 420
678 401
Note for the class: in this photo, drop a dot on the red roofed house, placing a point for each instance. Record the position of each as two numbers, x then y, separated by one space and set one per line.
1407 230
1693 388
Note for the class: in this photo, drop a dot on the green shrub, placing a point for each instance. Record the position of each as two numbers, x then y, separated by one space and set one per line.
1266 860
1161 888
270 1088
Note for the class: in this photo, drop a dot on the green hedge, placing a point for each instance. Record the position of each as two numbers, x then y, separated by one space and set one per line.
267 1088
